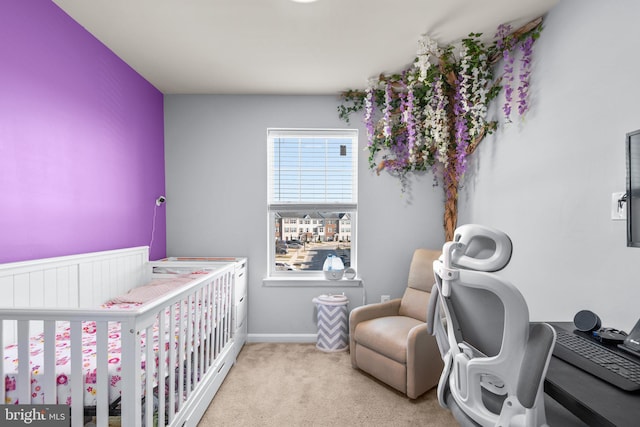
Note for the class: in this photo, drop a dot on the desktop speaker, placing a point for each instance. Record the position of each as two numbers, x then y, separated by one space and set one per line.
587 321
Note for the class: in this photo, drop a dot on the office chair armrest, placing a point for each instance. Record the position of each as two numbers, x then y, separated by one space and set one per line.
542 338
530 389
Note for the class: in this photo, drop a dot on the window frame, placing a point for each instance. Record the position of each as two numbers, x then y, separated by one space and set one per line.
350 207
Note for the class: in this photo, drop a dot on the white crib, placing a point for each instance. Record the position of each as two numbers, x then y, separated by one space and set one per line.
191 325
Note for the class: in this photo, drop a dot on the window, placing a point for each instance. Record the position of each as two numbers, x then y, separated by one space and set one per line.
312 180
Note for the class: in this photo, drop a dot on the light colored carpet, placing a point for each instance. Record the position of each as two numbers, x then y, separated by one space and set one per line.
274 384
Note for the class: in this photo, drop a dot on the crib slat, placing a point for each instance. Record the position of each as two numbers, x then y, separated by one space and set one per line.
190 345
229 308
226 304
149 369
24 375
230 304
219 331
214 318
210 306
172 361
102 374
131 381
49 383
225 317
3 391
182 340
204 327
196 340
225 307
210 311
199 344
77 381
162 372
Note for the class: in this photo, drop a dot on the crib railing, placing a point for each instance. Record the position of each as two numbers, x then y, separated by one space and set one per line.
194 332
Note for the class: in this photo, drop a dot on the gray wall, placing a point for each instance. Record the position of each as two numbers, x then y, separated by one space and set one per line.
216 169
548 181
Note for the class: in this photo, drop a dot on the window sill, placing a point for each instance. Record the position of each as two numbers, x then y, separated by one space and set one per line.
297 281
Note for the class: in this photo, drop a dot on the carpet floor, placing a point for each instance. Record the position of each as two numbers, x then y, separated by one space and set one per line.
277 384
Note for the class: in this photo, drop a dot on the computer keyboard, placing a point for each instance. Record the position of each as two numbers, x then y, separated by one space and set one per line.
597 360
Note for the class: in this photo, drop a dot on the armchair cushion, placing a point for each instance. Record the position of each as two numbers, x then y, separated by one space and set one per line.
414 304
416 296
387 335
421 272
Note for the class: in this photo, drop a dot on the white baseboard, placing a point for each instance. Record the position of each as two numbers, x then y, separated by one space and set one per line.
293 338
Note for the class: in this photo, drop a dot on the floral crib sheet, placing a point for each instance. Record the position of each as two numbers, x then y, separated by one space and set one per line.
89 356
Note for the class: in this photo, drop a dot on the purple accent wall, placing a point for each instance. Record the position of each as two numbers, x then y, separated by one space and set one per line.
81 141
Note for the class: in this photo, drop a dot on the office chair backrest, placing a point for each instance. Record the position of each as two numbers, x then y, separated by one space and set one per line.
493 370
480 313
419 284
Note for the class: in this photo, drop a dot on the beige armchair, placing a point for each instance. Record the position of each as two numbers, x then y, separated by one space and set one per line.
390 341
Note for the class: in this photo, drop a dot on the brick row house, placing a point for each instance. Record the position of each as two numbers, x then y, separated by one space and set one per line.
313 226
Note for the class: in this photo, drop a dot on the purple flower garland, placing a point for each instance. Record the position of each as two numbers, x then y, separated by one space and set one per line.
408 118
503 44
507 83
506 43
525 73
386 130
369 113
461 129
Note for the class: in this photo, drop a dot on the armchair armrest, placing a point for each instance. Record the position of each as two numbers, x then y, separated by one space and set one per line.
372 311
423 357
368 312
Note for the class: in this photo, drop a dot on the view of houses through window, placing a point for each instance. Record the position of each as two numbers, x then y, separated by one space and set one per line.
305 239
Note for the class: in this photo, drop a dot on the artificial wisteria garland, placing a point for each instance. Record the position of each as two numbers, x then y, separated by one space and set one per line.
525 71
433 114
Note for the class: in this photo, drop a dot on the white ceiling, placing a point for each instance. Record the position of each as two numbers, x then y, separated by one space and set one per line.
282 47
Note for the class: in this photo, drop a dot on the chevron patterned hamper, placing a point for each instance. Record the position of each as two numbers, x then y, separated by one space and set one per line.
333 323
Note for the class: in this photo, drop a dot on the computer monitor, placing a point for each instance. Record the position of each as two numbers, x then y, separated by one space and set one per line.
633 188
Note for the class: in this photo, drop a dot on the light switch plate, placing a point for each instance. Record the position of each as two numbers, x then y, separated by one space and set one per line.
618 207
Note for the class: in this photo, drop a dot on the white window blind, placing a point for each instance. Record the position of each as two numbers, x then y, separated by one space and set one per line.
316 167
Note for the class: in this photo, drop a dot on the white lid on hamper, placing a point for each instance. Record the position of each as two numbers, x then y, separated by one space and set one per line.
338 299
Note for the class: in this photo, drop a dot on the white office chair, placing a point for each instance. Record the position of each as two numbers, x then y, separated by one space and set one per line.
495 360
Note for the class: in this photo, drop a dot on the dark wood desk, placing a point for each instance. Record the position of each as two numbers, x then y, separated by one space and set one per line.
594 401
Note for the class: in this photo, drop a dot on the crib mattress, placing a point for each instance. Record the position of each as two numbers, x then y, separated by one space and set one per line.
89 358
